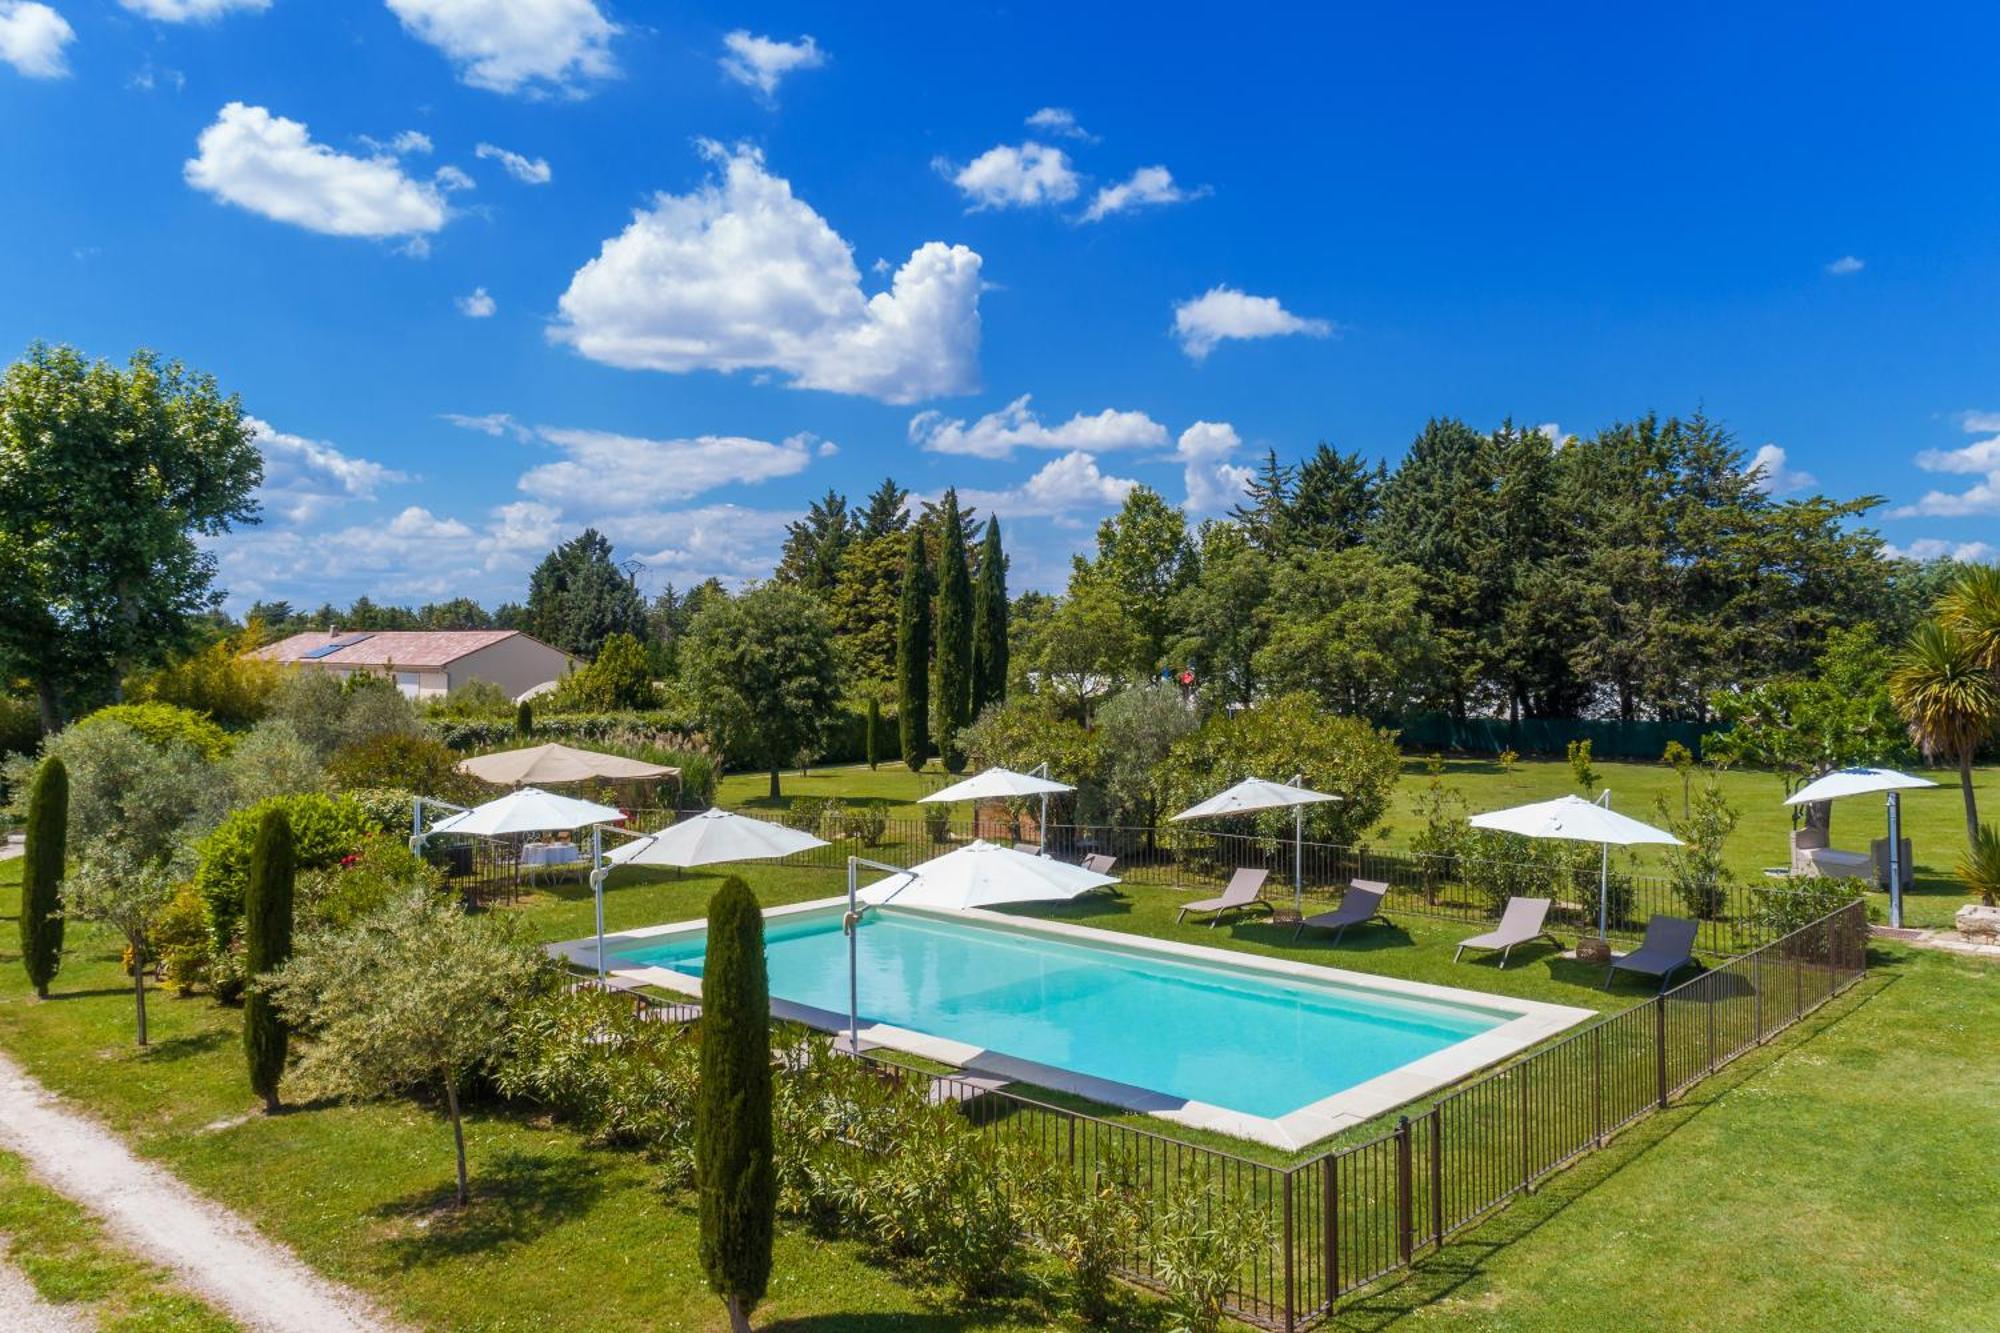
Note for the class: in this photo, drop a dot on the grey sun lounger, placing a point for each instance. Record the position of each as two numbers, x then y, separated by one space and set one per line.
1523 921
1099 863
1361 902
1667 948
1241 895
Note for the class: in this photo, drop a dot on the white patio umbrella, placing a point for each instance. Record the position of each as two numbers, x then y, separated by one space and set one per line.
558 763
1253 794
979 874
1574 819
1862 782
1004 784
527 810
711 837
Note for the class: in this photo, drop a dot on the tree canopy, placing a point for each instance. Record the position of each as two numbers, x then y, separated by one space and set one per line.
578 598
765 674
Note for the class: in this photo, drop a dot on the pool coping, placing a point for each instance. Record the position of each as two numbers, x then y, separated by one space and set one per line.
1533 1021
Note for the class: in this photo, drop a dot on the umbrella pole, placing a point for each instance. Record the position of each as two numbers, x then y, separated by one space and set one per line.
853 967
1299 860
597 890
1895 860
1603 889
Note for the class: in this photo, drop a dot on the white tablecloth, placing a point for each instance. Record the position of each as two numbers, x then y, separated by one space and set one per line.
550 854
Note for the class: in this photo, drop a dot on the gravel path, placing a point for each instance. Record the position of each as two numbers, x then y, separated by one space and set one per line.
217 1254
21 1308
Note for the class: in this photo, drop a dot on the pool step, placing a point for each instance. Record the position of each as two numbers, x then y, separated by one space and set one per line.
958 1089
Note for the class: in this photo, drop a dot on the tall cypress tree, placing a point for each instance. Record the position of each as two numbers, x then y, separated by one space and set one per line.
874 730
267 941
954 637
524 720
42 872
913 655
735 1176
989 623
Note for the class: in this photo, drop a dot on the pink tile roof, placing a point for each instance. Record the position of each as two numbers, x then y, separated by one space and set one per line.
405 648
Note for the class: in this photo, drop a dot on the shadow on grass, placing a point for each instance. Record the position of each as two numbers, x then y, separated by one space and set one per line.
1442 1273
1368 937
515 1197
194 1043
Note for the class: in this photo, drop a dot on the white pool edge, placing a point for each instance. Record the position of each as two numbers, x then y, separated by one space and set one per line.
1533 1021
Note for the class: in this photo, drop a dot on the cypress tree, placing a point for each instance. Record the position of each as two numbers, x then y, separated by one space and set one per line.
954 638
267 940
735 1175
913 655
874 729
524 720
989 623
42 872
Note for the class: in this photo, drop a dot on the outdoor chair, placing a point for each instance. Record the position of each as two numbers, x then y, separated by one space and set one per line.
1811 856
1098 863
1241 896
1667 948
1524 920
1031 848
1362 902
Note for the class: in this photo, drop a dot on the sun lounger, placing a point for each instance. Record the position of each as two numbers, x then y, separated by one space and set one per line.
1099 863
1361 902
1524 920
1031 848
1667 948
1240 896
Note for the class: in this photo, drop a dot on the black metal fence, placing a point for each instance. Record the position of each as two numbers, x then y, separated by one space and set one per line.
1342 1220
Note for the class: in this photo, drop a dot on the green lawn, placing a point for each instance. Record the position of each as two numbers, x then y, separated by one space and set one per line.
1934 821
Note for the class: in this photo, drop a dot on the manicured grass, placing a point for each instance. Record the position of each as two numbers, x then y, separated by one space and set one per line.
892 783
64 1252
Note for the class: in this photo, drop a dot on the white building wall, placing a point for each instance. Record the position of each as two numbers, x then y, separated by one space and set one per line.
516 665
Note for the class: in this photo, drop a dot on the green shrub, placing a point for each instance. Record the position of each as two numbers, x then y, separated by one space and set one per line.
413 762
267 935
1499 866
1201 1241
1697 868
218 682
811 814
475 698
1091 1226
325 830
1578 753
272 759
383 868
947 1208
183 942
937 822
42 863
865 823
164 725
20 725
620 678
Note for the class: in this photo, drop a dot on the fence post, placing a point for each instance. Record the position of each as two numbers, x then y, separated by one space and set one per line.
1405 1221
1437 1174
1527 1153
1711 988
1660 1044
1290 1302
1757 990
1597 1082
1329 1221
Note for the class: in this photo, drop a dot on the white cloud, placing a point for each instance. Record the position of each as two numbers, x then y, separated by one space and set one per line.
411 141
270 165
686 547
451 179
509 46
741 274
1059 120
495 424
1936 548
1980 459
1014 176
527 170
760 62
622 472
1225 312
32 38
479 305
1844 266
1213 482
1775 476
1148 187
192 11
305 478
998 434
1059 487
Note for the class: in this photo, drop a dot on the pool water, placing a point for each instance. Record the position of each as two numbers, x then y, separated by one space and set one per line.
1253 1042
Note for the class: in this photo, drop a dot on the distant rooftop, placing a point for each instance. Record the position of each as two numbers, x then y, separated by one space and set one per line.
415 649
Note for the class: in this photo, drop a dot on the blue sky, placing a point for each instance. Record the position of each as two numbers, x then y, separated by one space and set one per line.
492 270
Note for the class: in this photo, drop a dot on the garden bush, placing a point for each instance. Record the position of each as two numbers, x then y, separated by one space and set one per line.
947 1208
1200 1242
400 759
272 759
1090 1225
382 869
20 725
865 822
937 822
166 724
219 682
183 943
325 830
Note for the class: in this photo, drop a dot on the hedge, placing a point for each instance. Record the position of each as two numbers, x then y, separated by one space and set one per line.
325 831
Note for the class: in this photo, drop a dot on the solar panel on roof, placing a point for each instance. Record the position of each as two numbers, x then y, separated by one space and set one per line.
328 649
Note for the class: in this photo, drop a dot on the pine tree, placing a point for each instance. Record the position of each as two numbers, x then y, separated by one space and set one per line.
42 872
884 514
267 939
1267 500
524 720
954 640
989 623
874 730
735 1175
913 655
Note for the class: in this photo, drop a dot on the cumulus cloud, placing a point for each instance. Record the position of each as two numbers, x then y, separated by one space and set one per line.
1774 475
1225 312
1213 482
741 274
688 546
761 62
32 38
192 11
1844 266
623 472
1059 121
451 179
527 170
495 424
270 165
1014 176
1015 426
509 46
479 305
1059 487
1937 548
1148 187
1981 459
304 479
416 553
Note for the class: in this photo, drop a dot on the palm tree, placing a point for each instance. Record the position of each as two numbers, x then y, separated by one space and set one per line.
1950 701
1972 609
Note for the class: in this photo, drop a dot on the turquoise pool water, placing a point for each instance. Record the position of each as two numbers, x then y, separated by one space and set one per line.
1250 1041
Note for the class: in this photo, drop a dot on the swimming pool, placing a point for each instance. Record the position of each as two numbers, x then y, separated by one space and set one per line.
1276 1051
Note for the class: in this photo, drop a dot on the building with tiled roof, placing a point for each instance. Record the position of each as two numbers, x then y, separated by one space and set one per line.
428 663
